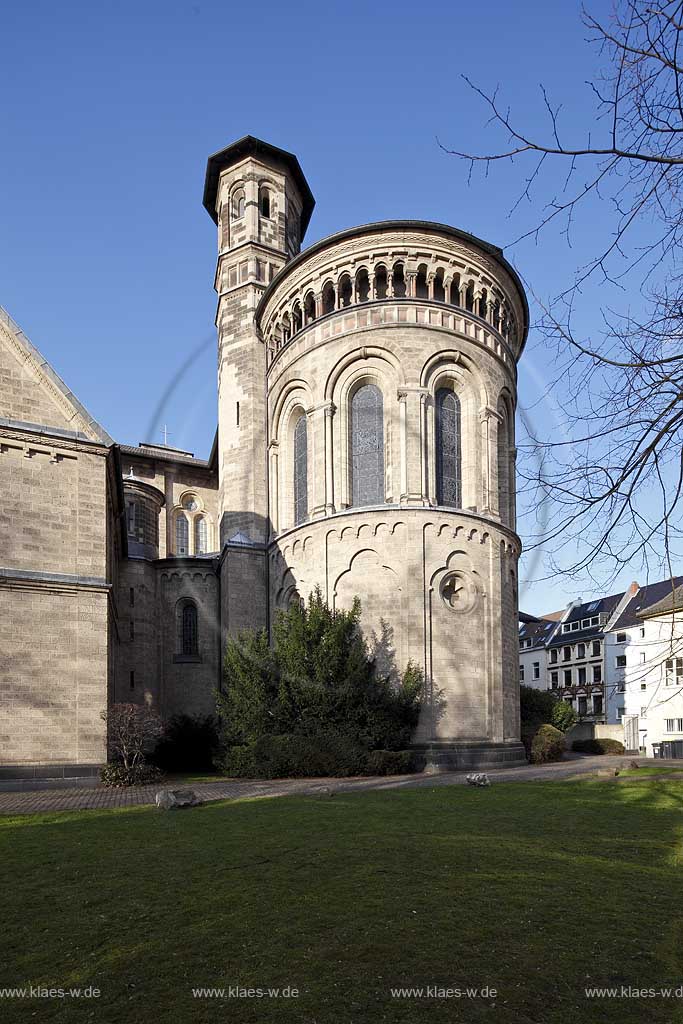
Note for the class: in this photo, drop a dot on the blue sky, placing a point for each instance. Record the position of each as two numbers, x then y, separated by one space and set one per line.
109 112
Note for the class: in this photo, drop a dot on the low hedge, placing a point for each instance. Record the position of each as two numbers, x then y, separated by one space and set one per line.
547 745
325 753
601 746
115 775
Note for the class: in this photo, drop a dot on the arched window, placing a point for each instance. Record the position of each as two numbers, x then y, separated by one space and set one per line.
448 448
455 290
367 446
182 535
439 290
380 282
421 288
264 203
399 281
309 308
188 633
297 319
469 297
300 471
200 536
362 285
328 297
238 203
483 304
345 291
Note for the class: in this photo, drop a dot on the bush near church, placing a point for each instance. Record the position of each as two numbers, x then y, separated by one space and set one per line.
539 708
132 730
547 745
314 703
598 746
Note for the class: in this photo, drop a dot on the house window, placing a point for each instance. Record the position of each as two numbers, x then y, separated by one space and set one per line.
621 711
521 673
182 535
674 671
642 632
583 706
621 638
674 724
580 650
187 629
597 673
621 686
595 649
597 704
643 686
447 448
621 661
582 676
567 677
566 654
300 470
554 680
642 657
537 670
265 203
553 657
367 446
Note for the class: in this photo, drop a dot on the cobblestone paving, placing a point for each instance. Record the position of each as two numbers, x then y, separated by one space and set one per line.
97 798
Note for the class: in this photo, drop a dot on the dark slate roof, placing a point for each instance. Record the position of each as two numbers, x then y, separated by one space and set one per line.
250 146
600 606
587 609
538 631
665 596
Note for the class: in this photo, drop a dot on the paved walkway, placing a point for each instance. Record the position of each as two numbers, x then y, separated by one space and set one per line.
95 798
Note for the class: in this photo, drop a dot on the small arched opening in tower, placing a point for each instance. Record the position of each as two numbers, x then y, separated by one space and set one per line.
265 203
399 281
309 308
421 287
381 282
362 285
328 297
345 291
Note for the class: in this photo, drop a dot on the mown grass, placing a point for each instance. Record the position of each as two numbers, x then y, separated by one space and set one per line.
534 889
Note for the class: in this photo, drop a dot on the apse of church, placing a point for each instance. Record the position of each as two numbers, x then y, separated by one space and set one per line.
365 445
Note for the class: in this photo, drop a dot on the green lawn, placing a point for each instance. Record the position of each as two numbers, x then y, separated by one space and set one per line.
534 889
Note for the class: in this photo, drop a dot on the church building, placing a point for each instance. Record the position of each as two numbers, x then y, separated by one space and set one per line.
364 444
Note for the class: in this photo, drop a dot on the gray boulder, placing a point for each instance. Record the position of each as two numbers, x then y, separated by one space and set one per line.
168 799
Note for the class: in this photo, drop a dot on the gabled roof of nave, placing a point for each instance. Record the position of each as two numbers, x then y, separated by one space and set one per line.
71 418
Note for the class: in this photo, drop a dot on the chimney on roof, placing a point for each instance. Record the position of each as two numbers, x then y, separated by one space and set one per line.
634 588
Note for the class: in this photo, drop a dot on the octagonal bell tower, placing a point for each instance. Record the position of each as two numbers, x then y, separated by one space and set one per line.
261 203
